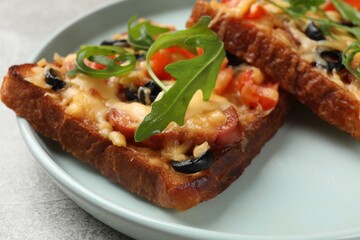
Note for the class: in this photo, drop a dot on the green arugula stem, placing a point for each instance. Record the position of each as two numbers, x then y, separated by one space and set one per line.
100 54
155 78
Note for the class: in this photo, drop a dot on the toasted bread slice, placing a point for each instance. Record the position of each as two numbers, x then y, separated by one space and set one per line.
140 170
280 47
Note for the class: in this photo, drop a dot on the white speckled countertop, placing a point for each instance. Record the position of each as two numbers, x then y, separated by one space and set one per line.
31 205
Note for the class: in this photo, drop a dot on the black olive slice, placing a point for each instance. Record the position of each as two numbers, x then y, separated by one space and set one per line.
145 94
314 33
52 78
119 43
148 93
333 59
131 94
155 89
140 56
194 165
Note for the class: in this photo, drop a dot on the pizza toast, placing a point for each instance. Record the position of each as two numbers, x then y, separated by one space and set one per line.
95 119
307 59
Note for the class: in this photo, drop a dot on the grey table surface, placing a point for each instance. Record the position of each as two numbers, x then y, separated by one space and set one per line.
31 205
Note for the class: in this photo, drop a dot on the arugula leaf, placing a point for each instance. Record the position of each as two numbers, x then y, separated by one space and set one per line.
298 8
326 24
191 75
99 54
325 28
177 39
348 12
354 30
306 3
141 34
348 57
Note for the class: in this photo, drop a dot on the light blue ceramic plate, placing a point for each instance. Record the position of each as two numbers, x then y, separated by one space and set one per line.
303 185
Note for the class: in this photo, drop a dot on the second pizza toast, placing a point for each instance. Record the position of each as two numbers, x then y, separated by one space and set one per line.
311 48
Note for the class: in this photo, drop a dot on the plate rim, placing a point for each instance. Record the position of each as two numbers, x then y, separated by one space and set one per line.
62 178
56 173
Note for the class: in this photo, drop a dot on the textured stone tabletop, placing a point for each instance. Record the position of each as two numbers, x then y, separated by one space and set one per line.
31 205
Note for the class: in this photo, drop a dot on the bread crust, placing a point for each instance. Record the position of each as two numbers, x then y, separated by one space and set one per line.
138 170
332 103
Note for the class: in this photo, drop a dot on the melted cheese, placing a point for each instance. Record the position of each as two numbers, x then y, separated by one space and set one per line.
92 98
139 75
117 139
38 78
234 8
136 111
176 151
89 97
199 150
242 7
198 106
307 48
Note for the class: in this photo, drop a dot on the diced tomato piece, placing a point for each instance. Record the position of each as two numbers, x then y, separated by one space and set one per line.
256 11
241 79
231 131
158 62
328 6
269 97
166 56
253 93
230 3
354 3
250 95
267 103
180 54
